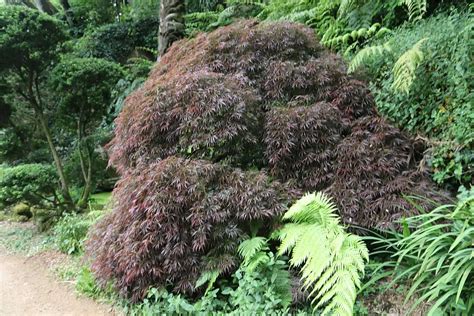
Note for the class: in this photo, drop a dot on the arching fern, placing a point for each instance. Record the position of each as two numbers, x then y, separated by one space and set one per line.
331 261
405 67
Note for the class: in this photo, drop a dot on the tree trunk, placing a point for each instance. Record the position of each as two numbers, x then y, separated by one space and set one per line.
67 12
86 172
172 26
34 98
46 6
57 160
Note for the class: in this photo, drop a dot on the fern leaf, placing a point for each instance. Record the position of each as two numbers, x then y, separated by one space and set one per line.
368 53
416 9
330 260
405 67
248 248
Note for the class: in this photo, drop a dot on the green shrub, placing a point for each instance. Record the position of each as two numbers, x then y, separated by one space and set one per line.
439 101
33 183
71 230
118 41
86 283
436 253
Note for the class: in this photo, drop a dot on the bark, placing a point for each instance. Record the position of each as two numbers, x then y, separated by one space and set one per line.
34 98
67 11
172 26
46 6
57 160
86 170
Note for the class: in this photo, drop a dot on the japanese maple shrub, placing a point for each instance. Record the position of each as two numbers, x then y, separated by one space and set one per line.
228 130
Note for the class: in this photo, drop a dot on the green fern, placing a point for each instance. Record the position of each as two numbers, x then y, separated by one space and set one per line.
331 261
416 9
368 53
251 250
405 67
259 260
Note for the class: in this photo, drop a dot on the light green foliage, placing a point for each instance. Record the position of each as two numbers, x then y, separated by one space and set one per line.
438 256
404 70
416 9
87 285
331 261
366 54
34 183
71 231
22 239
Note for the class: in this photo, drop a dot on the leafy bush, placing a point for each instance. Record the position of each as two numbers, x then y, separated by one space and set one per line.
118 41
269 96
331 260
263 281
217 112
438 103
188 219
71 230
436 254
33 183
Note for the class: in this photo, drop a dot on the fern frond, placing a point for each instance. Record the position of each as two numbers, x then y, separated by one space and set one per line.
368 53
416 9
331 261
405 67
250 247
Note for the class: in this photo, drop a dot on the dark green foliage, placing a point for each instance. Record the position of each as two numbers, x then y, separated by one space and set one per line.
83 87
118 41
28 39
10 144
435 252
33 183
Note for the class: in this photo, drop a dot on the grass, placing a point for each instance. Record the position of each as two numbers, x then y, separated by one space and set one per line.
102 198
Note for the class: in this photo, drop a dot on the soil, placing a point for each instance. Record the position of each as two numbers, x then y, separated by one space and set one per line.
27 287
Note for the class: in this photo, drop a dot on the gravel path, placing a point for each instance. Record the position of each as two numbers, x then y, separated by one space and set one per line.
28 288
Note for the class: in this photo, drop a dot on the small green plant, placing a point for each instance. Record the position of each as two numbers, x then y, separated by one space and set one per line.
331 261
71 230
436 252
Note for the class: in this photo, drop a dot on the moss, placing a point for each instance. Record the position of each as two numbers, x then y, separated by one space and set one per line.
22 209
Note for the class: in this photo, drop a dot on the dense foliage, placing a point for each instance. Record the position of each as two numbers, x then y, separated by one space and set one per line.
229 129
436 255
32 183
119 41
220 97
176 218
438 103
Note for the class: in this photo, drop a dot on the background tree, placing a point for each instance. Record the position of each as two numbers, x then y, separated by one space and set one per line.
83 87
172 26
24 57
46 6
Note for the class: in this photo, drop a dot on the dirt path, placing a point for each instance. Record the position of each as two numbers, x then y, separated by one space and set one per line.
28 288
